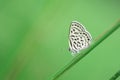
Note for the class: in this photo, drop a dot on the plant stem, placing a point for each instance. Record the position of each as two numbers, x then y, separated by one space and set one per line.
86 51
115 76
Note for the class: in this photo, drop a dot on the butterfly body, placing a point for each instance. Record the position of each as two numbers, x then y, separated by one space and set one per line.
79 37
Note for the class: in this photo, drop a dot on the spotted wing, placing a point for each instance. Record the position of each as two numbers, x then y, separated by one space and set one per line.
79 37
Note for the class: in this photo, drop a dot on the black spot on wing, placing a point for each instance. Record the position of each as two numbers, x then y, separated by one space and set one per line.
72 36
74 46
78 25
82 44
87 36
78 42
76 33
74 42
70 43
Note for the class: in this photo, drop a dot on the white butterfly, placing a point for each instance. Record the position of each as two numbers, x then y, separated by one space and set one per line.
79 37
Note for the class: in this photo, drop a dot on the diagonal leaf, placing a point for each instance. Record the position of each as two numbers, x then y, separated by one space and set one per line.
86 51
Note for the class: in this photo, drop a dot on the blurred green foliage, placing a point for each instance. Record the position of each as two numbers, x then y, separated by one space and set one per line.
34 38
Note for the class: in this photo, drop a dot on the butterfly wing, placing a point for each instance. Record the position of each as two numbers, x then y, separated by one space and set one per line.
79 37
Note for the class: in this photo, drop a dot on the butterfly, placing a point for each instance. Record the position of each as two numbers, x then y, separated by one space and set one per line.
79 37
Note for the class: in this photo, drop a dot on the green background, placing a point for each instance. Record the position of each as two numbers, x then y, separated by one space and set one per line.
34 39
